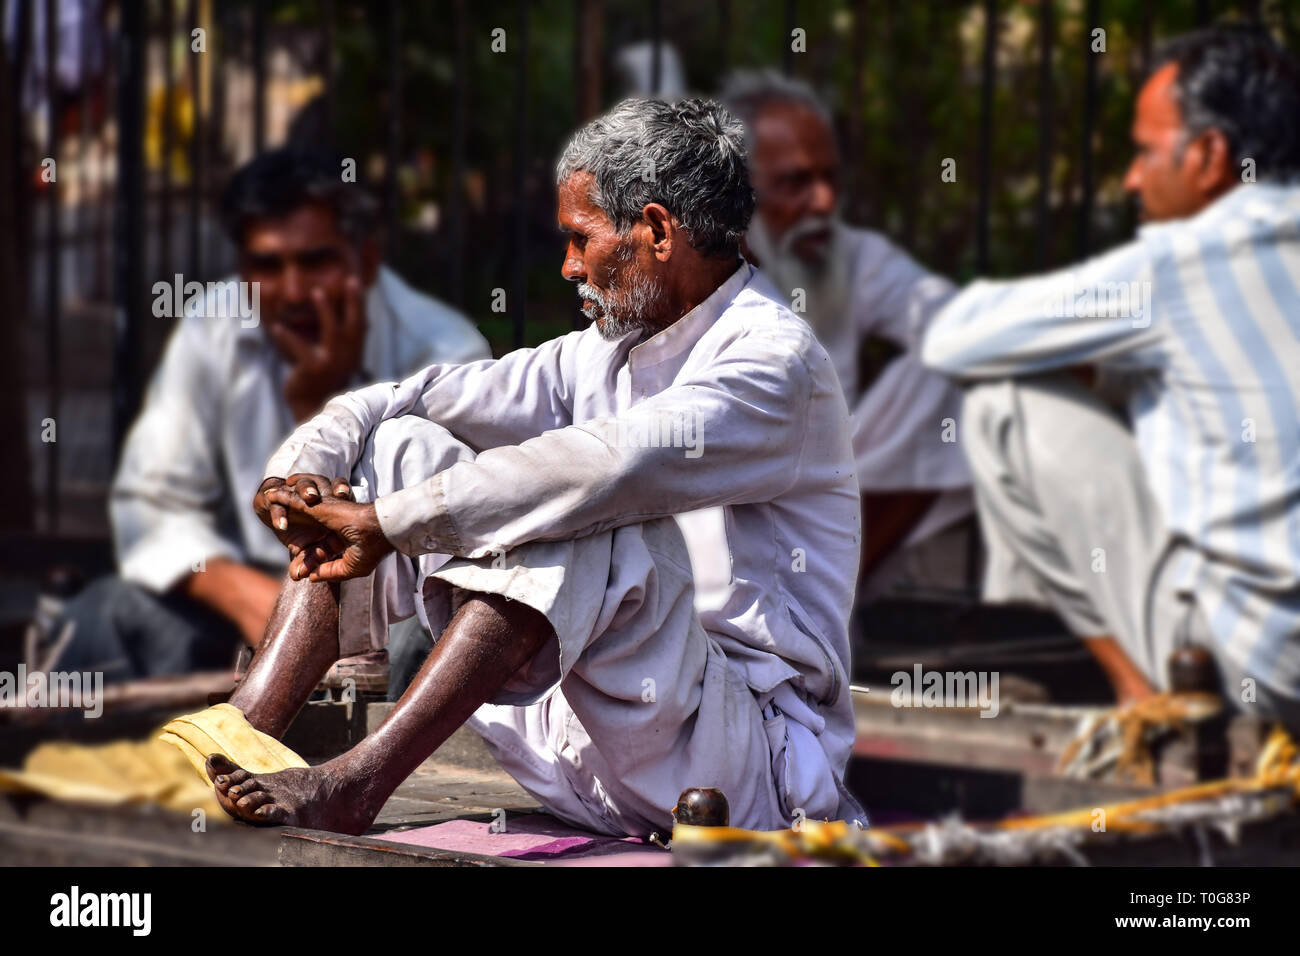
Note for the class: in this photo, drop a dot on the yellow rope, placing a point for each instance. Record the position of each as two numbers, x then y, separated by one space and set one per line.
1278 767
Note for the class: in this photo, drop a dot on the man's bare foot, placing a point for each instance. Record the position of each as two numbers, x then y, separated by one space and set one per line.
314 797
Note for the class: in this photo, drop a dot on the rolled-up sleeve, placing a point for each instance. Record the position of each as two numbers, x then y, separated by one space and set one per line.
168 491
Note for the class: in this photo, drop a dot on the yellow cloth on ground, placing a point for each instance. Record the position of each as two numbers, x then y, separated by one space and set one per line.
224 729
161 770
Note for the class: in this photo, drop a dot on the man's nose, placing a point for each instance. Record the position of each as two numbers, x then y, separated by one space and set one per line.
1133 178
822 201
293 285
574 269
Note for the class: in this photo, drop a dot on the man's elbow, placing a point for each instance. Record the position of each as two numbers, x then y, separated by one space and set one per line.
939 354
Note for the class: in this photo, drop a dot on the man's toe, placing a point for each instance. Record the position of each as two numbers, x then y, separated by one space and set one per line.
219 765
252 801
271 813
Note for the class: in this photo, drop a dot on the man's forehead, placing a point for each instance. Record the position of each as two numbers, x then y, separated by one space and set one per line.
1157 104
314 224
784 132
575 208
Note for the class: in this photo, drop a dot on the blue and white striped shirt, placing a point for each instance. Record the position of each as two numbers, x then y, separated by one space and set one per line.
1202 316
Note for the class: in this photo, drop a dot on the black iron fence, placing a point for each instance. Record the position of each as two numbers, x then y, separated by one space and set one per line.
146 116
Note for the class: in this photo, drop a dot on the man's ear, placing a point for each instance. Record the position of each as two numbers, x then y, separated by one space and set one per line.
663 230
368 262
1214 172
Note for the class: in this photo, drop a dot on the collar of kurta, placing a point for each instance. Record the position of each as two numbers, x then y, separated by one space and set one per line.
682 335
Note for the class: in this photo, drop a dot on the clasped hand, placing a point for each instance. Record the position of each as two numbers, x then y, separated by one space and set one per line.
329 535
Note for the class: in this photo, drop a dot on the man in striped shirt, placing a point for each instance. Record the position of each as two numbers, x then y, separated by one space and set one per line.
1178 524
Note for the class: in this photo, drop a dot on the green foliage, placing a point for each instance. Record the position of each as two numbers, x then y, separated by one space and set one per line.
919 66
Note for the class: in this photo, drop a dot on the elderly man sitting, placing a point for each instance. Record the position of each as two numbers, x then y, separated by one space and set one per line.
638 542
861 294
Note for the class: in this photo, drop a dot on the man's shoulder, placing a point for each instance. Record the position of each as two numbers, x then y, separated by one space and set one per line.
429 325
877 258
758 309
1248 211
758 323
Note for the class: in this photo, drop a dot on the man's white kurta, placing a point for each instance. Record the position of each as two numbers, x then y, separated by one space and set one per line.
731 419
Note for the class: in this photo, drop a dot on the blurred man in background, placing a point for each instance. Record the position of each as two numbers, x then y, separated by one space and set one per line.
1180 527
863 297
198 572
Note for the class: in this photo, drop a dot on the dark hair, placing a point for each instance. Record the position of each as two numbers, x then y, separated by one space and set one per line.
279 181
689 156
1239 80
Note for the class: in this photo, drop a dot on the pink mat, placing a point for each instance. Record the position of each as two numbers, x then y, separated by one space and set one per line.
535 837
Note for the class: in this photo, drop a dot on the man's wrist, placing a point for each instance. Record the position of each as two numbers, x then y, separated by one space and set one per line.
373 527
415 520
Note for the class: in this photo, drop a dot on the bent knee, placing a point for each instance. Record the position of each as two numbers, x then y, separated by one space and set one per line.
406 450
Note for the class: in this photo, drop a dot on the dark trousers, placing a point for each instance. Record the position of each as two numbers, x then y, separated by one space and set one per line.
128 632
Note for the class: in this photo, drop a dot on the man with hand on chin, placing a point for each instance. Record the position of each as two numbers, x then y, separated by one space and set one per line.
198 573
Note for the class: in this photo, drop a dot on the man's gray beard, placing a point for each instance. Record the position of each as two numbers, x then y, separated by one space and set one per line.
827 284
627 307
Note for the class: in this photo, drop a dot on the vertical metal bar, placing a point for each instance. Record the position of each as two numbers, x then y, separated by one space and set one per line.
127 225
196 146
519 293
259 77
656 47
15 181
168 28
104 199
84 266
392 215
220 42
1145 40
1046 35
456 187
580 60
1089 124
588 31
724 36
329 17
787 57
987 79
53 261
857 105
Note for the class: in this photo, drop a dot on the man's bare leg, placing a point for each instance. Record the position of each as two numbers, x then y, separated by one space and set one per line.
1128 683
487 641
300 645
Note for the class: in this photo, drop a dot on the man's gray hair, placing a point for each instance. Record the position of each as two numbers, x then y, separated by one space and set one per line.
746 93
687 156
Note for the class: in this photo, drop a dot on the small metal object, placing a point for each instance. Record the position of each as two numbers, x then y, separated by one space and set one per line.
1192 669
702 807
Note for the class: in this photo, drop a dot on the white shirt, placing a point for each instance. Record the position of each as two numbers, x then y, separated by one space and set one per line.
906 425
763 462
215 411
1199 321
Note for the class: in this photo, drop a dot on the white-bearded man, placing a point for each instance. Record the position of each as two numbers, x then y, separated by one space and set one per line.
869 303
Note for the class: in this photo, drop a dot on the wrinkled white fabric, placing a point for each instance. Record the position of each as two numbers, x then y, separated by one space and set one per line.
731 420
